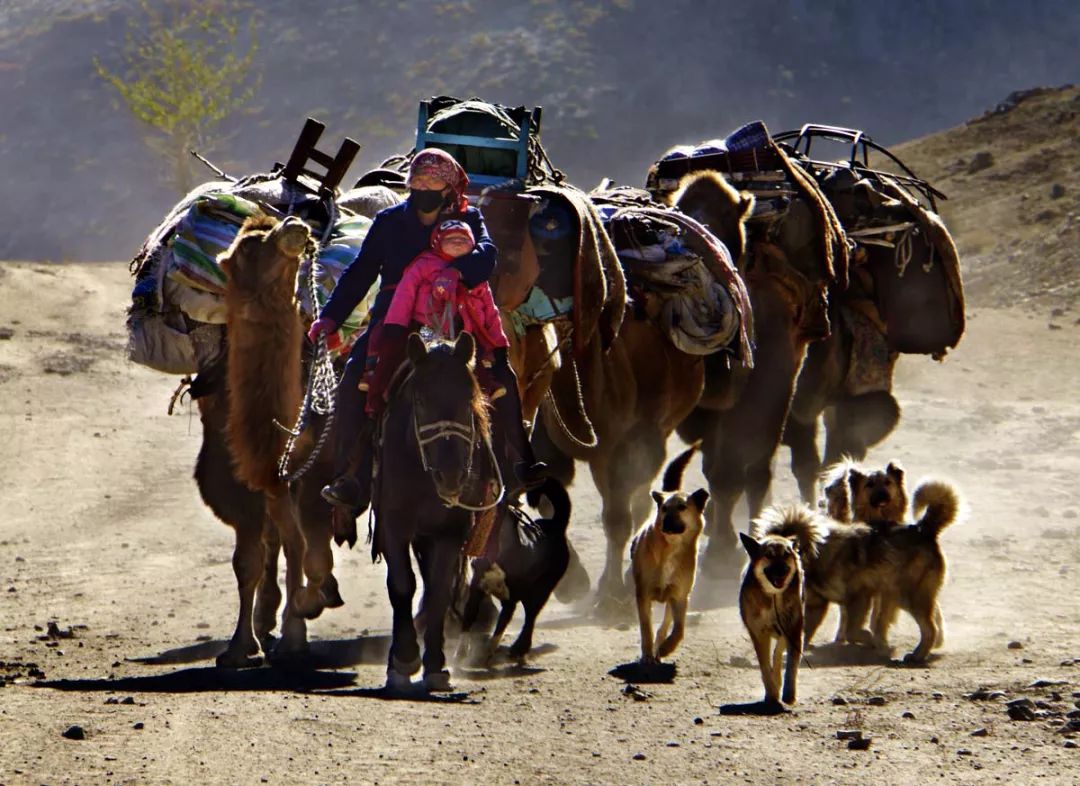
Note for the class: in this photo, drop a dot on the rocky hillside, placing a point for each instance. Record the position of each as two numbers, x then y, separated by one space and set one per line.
620 82
1012 177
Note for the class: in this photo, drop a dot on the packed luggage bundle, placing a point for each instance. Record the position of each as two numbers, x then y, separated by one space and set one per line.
748 158
678 273
908 264
177 315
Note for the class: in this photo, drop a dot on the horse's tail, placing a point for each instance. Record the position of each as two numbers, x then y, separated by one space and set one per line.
559 500
674 472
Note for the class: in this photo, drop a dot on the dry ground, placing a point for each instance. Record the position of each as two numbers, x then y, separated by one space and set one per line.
102 532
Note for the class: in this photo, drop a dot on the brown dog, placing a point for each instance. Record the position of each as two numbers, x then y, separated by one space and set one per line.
878 498
902 566
771 607
663 559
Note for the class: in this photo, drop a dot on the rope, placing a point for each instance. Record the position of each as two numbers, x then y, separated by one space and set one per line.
592 438
322 380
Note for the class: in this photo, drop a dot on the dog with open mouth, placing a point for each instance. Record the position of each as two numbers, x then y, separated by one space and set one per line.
771 607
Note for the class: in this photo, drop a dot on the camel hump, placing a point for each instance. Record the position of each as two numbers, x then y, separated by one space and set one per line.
674 472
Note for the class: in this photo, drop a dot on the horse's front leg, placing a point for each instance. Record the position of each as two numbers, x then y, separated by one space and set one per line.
441 563
404 659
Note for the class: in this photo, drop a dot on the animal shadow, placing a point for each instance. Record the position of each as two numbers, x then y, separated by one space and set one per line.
760 708
416 693
210 679
646 673
323 654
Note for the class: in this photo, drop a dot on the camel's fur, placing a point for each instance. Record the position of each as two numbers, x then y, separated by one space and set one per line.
635 394
264 333
237 465
741 417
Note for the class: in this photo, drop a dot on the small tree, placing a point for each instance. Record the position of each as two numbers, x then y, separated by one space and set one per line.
186 68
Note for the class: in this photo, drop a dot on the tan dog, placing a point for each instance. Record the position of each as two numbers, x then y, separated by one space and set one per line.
880 497
771 607
663 559
903 566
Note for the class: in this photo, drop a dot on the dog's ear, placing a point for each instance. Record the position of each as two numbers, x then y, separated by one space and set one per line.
896 472
794 543
856 480
699 498
658 498
753 548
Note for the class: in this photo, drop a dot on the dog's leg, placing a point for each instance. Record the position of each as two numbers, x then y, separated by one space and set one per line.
884 617
793 635
506 613
853 616
521 646
939 622
644 612
665 624
764 659
923 612
677 609
816 606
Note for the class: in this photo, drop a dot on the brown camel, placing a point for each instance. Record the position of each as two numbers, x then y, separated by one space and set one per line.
237 465
788 266
634 394
847 378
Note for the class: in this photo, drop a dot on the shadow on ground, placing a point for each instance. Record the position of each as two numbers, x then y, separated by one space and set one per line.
324 654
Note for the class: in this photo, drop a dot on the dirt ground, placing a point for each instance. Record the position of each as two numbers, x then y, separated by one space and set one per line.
102 533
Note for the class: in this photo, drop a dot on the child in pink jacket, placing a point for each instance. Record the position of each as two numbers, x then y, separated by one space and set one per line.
431 293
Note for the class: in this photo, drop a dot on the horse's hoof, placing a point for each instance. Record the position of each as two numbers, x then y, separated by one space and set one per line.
437 681
229 660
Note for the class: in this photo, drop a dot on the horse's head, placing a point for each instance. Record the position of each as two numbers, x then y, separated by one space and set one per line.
450 413
265 253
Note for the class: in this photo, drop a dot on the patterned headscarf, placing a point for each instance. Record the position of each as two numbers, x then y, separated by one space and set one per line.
438 163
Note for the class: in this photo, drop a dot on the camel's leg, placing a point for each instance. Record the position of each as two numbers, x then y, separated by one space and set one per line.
293 627
243 649
758 480
269 595
805 460
726 475
441 565
404 658
316 525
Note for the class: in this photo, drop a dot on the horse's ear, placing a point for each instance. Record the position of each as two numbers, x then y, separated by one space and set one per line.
464 347
417 349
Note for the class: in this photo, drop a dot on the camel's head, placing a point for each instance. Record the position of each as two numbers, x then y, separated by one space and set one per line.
265 251
709 199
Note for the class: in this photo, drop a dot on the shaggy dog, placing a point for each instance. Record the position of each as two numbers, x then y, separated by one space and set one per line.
663 560
902 566
878 498
533 556
771 607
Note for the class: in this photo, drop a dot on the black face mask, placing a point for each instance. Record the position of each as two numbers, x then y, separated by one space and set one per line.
426 200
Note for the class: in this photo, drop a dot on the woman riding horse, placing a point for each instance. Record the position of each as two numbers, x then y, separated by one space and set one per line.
398 235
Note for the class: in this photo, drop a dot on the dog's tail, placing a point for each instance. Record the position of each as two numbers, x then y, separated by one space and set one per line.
559 500
674 472
798 521
941 503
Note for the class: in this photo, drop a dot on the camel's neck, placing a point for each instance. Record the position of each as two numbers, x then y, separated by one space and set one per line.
264 337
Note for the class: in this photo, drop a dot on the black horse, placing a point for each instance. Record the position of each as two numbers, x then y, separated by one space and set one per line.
435 465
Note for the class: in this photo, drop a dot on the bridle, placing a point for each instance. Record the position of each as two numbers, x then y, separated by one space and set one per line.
427 433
